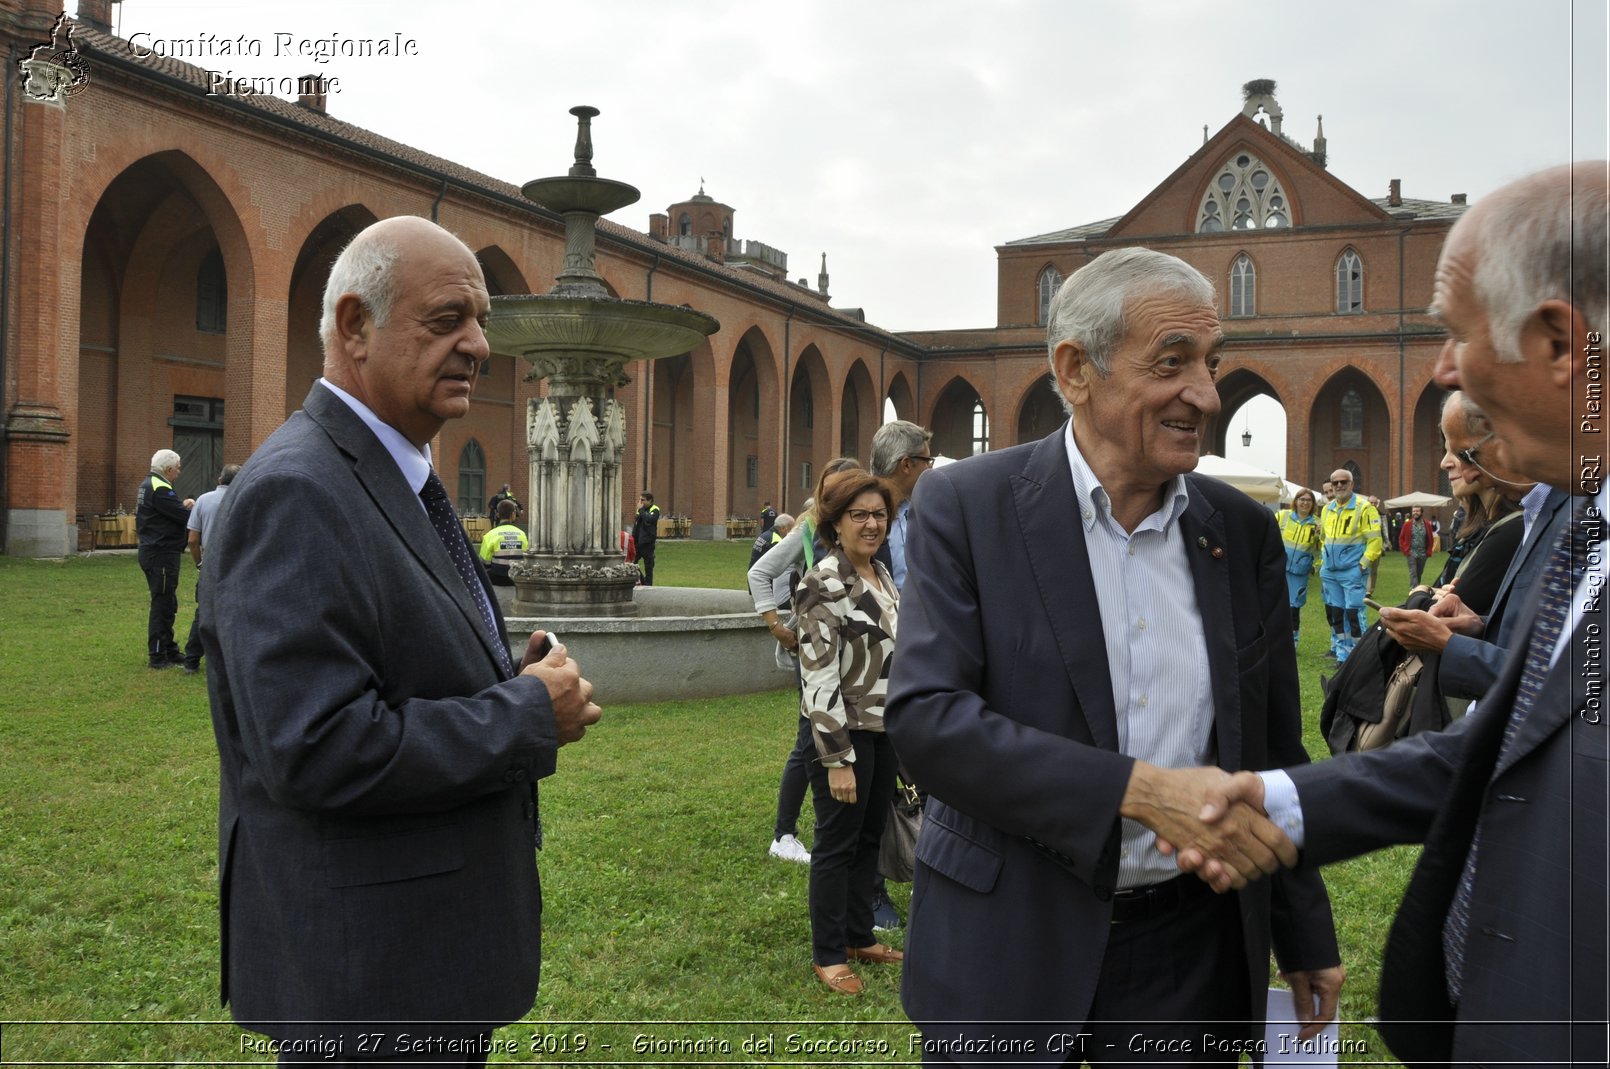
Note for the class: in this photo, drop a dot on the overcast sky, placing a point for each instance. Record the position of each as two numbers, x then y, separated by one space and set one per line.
908 138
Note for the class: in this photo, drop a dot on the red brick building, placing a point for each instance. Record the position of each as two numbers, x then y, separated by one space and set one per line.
166 248
1322 296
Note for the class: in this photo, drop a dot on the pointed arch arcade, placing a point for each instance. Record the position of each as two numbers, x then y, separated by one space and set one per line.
958 413
1350 422
150 372
751 425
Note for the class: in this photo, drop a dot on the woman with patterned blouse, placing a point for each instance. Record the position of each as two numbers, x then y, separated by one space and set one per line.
847 606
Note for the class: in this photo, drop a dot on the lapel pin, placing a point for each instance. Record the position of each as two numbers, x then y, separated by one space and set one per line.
1201 543
1217 553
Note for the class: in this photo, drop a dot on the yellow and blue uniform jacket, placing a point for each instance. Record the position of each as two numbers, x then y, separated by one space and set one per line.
1351 533
1302 540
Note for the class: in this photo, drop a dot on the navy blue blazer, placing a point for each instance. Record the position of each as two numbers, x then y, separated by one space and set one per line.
1534 988
1001 707
1469 666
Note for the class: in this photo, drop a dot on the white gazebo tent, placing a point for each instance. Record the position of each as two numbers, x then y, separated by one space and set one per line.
1418 499
1260 485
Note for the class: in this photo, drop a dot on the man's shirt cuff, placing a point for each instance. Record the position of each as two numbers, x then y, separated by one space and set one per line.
1280 801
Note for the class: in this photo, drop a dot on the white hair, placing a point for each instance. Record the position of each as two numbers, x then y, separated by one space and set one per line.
1089 307
1543 237
163 459
366 269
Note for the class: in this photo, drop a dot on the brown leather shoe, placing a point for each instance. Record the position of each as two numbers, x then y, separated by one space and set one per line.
840 978
877 952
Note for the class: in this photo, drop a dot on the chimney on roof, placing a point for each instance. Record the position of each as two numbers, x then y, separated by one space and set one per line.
1395 196
96 14
313 92
1458 198
659 226
821 279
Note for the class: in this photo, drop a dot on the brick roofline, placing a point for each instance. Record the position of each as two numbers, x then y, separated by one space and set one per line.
111 49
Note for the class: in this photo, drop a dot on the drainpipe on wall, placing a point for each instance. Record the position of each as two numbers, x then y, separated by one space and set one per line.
5 293
647 379
883 390
1403 417
916 403
436 204
788 385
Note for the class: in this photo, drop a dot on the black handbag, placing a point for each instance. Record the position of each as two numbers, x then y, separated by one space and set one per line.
897 852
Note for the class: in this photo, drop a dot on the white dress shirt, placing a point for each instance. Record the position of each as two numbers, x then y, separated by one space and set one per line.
413 461
1155 648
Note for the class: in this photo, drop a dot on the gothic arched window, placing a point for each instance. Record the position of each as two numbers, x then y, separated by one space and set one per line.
684 225
1243 287
980 428
471 478
1351 435
1245 195
212 295
1050 282
1349 284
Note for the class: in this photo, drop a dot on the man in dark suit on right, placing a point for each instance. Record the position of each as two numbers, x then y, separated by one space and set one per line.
1498 953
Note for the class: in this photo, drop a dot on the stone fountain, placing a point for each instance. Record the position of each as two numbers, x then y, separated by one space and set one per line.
580 338
635 643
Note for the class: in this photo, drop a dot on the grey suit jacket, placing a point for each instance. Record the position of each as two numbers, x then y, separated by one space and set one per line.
1469 666
377 802
1001 706
1534 976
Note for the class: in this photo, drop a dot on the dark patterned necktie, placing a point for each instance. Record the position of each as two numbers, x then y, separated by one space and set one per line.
445 520
1560 578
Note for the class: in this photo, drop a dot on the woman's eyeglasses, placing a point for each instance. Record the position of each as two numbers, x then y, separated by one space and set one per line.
863 515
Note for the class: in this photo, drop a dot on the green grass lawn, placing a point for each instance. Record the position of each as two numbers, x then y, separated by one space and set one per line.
660 902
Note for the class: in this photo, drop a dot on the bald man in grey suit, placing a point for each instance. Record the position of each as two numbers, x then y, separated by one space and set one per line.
379 754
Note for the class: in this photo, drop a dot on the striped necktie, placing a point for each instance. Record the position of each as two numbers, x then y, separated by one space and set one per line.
1560 578
445 521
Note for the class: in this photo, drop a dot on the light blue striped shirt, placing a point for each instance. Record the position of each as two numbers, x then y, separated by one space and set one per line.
897 544
1155 649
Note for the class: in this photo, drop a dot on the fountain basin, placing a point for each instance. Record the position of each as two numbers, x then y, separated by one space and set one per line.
683 643
542 324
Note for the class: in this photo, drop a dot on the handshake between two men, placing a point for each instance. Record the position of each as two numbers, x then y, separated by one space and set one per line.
1213 824
1210 821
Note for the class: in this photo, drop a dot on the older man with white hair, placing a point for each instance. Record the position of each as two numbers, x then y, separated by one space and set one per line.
1083 618
160 520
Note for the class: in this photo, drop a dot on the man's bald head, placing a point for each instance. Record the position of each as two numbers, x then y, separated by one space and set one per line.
404 317
1539 238
1521 287
367 267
